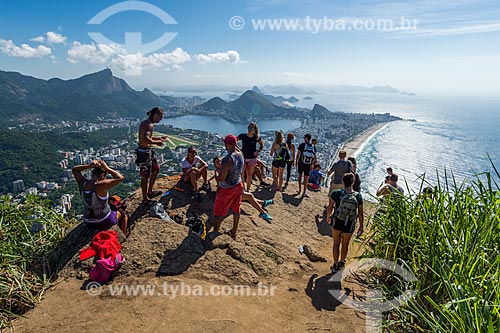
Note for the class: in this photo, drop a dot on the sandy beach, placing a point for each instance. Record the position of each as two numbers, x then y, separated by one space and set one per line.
354 145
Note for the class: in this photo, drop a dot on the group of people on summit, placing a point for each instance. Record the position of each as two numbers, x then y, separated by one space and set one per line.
233 175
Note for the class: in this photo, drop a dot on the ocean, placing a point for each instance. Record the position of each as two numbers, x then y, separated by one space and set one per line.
452 134
455 134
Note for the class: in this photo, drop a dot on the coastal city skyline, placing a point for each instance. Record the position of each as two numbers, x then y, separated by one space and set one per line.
424 47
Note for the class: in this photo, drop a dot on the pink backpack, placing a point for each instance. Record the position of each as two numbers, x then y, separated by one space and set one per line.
101 272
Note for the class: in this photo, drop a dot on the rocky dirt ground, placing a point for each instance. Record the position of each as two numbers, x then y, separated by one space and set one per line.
160 251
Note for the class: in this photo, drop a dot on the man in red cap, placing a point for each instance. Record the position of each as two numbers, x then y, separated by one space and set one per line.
230 186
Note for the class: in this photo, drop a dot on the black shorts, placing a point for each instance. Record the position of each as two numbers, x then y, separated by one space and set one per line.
304 169
146 161
342 226
279 164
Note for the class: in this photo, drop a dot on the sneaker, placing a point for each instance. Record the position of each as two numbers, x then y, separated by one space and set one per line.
267 203
206 187
154 194
341 264
305 195
266 216
334 268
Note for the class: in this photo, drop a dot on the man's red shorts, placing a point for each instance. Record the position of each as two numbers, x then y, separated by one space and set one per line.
228 198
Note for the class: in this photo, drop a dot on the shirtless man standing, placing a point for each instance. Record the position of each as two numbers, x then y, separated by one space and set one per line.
146 159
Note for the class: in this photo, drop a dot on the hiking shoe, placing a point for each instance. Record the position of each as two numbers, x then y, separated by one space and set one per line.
341 264
266 216
334 268
267 203
206 187
154 194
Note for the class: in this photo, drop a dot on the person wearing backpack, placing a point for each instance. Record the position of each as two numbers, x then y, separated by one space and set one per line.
306 156
338 170
347 208
291 161
280 155
94 191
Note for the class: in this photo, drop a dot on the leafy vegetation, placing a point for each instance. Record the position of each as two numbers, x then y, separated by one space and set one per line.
29 231
32 156
450 241
24 98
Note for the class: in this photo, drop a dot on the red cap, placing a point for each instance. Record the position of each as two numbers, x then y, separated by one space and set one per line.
230 139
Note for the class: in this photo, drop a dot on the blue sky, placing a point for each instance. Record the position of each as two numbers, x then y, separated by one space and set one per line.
453 47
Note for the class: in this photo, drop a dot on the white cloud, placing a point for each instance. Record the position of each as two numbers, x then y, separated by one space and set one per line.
464 30
24 51
220 57
39 39
50 38
92 53
55 38
292 74
171 61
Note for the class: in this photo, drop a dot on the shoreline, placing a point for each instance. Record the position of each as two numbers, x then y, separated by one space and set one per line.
354 145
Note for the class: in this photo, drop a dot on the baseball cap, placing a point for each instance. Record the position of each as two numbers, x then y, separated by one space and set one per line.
230 139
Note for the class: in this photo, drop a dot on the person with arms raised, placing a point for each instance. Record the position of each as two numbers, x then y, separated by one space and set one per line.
94 191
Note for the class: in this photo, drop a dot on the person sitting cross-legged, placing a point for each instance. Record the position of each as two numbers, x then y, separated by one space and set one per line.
193 168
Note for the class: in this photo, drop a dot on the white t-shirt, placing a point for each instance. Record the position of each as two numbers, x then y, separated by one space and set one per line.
186 165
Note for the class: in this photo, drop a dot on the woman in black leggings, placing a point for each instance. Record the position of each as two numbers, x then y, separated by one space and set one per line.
291 148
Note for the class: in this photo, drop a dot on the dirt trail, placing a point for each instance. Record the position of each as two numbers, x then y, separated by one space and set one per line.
165 255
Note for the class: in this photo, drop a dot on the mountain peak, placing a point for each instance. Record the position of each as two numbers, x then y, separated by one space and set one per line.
257 90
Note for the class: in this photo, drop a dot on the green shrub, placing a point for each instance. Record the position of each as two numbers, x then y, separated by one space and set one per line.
451 243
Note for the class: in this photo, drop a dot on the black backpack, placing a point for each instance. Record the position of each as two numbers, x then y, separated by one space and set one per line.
282 154
308 153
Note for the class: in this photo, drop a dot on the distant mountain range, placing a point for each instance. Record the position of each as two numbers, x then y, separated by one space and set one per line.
249 106
278 100
24 98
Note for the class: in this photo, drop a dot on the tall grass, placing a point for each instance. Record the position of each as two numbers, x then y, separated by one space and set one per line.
451 242
24 268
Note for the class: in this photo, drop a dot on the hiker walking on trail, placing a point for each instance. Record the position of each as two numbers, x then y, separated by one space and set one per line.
338 169
390 187
249 142
230 188
146 159
357 181
306 156
94 191
280 155
291 161
347 207
193 168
